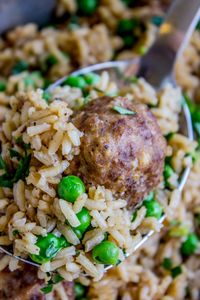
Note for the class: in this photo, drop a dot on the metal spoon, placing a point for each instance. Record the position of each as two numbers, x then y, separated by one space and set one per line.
157 67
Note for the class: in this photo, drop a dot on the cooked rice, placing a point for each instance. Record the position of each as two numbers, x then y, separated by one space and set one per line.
53 141
141 276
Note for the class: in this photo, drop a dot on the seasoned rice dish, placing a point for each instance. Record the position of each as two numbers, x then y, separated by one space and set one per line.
41 142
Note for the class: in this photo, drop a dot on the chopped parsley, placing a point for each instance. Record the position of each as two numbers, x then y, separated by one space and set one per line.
47 96
49 287
15 232
123 111
167 263
176 271
19 67
22 171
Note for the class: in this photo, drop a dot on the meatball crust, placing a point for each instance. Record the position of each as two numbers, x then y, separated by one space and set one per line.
124 153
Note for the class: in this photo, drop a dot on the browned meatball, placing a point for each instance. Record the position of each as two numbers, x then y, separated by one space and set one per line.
124 153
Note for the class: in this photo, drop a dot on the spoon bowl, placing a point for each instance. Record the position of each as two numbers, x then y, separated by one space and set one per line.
157 67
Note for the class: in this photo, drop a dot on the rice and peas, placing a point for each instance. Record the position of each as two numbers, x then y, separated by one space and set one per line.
148 273
38 143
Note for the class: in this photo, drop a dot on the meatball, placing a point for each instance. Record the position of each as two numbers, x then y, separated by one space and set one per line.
23 284
124 153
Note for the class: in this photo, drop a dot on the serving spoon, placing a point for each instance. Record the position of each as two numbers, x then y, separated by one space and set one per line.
157 67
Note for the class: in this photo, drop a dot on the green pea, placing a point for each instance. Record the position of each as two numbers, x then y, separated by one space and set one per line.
106 253
153 208
49 246
2 86
79 290
126 26
85 220
92 78
190 245
75 81
87 7
19 67
63 242
70 188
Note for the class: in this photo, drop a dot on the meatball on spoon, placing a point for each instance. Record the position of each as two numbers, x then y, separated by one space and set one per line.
115 150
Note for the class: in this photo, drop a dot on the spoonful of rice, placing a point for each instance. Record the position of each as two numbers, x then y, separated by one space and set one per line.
90 172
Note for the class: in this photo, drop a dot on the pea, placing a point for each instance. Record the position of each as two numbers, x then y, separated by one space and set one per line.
106 253
92 78
75 81
190 245
2 86
85 220
63 242
153 208
79 290
126 26
70 188
19 67
49 246
87 7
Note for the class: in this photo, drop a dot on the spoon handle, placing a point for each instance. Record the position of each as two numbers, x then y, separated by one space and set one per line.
158 64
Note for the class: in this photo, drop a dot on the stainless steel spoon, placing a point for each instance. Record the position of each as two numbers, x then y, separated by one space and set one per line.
157 67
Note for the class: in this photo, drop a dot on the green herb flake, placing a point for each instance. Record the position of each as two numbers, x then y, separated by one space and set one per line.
14 153
23 168
19 67
47 96
197 219
51 60
167 263
176 271
2 164
47 289
123 111
198 26
57 278
134 216
15 232
2 86
22 171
